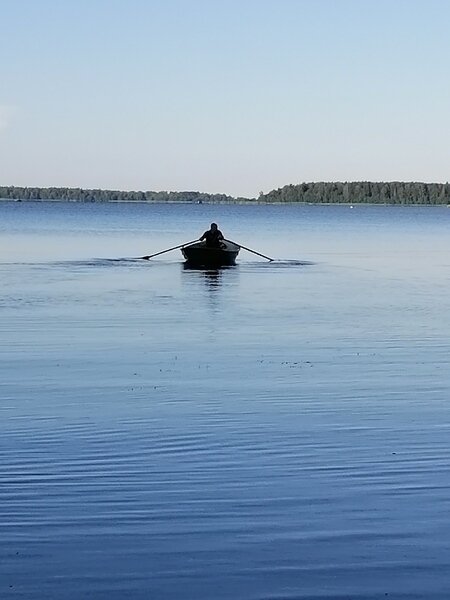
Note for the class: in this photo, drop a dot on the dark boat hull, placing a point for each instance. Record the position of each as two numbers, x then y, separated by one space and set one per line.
199 255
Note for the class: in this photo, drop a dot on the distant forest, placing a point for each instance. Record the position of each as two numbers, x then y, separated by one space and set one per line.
83 195
364 192
367 192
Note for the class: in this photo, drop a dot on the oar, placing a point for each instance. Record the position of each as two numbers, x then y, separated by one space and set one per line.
168 250
250 250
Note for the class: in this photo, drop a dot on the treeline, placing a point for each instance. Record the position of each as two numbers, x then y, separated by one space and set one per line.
311 193
83 195
368 192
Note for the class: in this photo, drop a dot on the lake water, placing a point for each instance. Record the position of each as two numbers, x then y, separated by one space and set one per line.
269 431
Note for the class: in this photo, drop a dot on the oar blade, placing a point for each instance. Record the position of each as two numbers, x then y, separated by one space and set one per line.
149 256
252 251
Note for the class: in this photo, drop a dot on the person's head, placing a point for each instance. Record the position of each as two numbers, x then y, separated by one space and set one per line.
213 226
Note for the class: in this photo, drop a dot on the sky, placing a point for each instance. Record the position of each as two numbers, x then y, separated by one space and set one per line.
223 96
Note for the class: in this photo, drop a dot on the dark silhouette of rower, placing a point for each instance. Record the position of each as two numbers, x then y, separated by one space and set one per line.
213 237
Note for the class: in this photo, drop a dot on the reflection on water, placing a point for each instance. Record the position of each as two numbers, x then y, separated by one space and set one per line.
213 282
210 289
211 275
213 278
270 430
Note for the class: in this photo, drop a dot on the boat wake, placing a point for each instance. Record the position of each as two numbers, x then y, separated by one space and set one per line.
138 262
279 264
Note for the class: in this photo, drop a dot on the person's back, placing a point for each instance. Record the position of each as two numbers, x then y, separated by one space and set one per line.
213 237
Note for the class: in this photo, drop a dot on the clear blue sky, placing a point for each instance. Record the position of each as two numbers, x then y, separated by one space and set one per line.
223 95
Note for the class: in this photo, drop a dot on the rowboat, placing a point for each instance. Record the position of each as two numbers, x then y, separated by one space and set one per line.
201 255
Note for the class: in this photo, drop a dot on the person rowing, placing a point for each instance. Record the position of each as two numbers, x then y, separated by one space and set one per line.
213 237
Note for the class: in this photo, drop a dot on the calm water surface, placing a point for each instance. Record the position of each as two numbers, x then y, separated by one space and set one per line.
269 431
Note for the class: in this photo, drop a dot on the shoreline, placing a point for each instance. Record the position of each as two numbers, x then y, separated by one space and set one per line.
219 202
309 194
